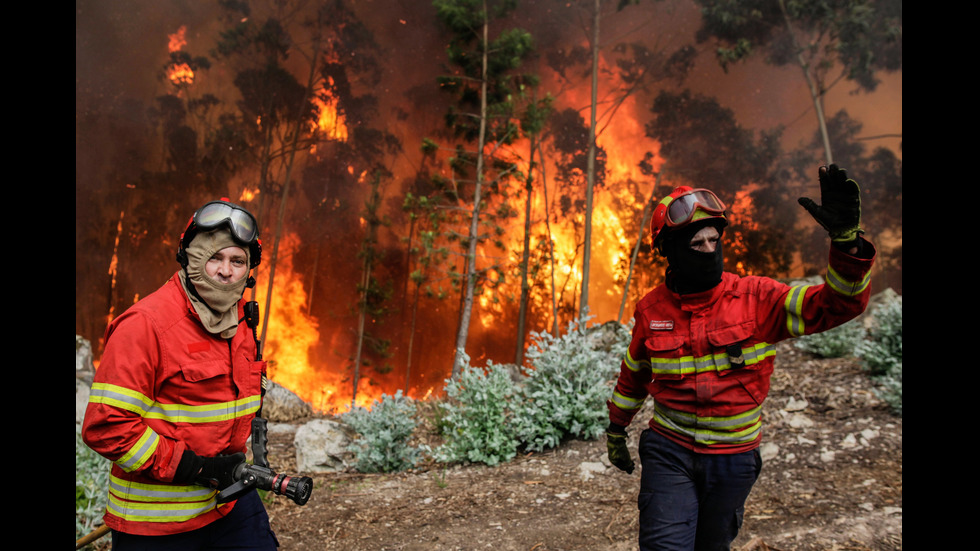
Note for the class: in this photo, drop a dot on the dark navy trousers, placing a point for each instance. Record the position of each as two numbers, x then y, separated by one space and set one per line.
690 501
246 528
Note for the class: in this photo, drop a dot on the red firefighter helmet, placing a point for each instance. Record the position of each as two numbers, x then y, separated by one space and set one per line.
683 206
214 214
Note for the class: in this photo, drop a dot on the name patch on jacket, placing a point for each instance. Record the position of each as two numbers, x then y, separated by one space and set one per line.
202 346
662 325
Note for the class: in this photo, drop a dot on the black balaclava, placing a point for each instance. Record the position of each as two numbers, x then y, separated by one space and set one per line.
690 271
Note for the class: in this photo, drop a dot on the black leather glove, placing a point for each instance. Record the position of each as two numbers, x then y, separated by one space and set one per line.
212 472
619 453
840 213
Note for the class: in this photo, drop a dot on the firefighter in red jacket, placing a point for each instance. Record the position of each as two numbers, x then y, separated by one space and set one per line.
175 393
703 346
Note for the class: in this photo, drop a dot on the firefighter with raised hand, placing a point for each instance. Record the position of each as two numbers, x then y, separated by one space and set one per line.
175 393
703 346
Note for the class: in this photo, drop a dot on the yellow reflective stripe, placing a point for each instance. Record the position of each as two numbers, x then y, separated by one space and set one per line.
120 397
741 428
140 452
794 310
634 365
158 512
844 286
686 365
208 413
625 402
153 493
130 400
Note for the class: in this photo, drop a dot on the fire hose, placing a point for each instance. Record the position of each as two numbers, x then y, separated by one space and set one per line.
247 478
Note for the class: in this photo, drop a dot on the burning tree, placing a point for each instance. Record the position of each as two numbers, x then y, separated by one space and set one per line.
484 85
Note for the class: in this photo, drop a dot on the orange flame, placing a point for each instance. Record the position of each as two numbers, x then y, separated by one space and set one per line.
177 40
292 336
331 123
180 74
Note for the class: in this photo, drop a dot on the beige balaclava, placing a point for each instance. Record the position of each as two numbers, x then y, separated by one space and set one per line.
219 309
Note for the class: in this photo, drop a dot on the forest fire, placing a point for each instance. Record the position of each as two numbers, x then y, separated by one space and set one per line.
369 127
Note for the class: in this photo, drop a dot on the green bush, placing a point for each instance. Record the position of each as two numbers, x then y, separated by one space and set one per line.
478 416
881 352
565 391
91 486
383 434
833 343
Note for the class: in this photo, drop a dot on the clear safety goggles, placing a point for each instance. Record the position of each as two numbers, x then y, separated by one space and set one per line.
218 213
681 210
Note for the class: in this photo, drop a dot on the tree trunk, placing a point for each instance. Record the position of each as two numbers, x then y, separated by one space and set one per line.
467 309
590 170
816 94
525 288
551 246
291 159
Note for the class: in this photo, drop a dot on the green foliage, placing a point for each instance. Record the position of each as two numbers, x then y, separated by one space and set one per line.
91 486
489 416
479 417
383 434
881 352
565 392
834 343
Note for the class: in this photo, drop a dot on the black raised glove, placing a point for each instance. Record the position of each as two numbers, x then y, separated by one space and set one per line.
619 453
212 472
840 211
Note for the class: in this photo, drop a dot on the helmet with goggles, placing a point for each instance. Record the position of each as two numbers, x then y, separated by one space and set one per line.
683 206
223 213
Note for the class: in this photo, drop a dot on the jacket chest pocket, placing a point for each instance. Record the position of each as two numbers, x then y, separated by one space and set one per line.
730 341
666 356
203 382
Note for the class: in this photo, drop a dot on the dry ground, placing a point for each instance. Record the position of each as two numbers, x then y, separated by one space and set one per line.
832 480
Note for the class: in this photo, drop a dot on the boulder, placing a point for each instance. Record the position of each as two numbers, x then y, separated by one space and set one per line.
281 405
321 446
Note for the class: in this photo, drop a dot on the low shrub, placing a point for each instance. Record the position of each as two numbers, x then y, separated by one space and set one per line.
565 390
881 351
91 486
383 435
833 343
478 416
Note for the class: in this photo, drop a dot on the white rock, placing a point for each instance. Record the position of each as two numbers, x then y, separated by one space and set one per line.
796 405
849 442
587 468
800 421
769 451
321 446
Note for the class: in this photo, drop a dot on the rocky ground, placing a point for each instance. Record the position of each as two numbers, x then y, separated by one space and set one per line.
832 480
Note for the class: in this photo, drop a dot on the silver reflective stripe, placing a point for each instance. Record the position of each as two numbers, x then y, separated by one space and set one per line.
139 491
158 512
794 310
179 413
844 286
625 402
131 400
634 365
699 428
713 362
120 397
140 452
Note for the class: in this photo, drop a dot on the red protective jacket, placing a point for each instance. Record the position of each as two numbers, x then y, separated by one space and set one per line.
706 357
164 385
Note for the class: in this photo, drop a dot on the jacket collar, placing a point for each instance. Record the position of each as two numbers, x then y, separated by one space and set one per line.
693 302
